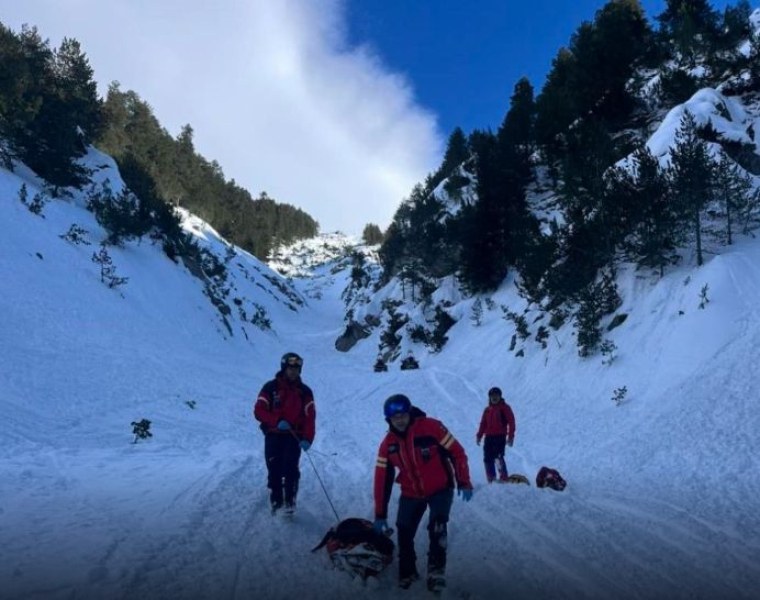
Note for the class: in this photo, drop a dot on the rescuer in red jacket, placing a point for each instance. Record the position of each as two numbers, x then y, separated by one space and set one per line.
285 408
498 426
430 462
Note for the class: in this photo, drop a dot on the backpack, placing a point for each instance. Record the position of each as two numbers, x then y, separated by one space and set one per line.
355 547
550 478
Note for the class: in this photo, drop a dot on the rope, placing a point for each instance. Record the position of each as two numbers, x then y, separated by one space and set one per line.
313 466
335 512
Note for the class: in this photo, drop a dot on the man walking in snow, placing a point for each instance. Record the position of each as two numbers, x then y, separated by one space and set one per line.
430 462
498 426
287 415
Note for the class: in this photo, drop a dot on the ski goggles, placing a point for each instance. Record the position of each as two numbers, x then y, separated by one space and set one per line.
398 407
295 362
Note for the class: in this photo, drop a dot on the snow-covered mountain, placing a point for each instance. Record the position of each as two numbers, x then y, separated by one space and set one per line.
413 322
656 435
657 439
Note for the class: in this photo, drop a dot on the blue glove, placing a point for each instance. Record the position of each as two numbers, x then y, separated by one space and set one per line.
305 445
380 525
466 494
283 425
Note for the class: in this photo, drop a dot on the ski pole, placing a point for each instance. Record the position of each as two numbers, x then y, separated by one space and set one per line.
313 466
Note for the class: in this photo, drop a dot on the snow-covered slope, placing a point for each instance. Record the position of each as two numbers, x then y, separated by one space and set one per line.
662 497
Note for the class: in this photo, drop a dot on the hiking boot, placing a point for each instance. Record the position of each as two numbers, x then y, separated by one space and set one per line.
405 582
290 509
436 581
275 507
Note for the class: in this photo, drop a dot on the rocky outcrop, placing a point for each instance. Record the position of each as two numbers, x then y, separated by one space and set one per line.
353 333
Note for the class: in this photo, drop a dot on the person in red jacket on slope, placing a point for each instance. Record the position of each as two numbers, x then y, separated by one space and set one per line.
498 426
287 416
430 462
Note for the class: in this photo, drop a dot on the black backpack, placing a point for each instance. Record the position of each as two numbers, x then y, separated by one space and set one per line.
550 478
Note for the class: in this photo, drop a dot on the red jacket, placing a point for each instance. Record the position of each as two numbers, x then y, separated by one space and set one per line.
294 402
427 457
497 419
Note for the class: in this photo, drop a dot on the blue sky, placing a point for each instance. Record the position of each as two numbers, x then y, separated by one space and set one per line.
464 58
338 107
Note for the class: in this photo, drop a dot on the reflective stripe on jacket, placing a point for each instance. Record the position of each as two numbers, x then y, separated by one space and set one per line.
427 457
294 402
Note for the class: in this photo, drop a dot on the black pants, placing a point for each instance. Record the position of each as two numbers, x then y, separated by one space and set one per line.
493 451
410 511
282 454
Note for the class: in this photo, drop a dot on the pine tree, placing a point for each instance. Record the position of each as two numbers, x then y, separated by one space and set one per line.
372 234
516 136
735 26
494 231
692 25
733 187
78 89
15 108
656 229
692 176
484 229
753 61
556 106
591 151
46 135
607 51
457 152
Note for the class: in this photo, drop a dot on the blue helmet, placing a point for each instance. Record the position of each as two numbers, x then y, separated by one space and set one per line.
396 404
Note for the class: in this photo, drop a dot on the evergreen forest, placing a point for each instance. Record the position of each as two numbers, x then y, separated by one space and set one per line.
50 112
566 188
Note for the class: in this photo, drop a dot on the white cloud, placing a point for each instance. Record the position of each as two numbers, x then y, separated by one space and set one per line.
273 93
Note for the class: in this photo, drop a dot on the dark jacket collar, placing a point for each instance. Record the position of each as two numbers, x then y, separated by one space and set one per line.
283 380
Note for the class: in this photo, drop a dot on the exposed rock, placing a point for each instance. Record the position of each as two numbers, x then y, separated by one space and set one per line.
353 333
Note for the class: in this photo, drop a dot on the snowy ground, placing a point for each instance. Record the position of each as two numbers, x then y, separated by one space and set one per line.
663 490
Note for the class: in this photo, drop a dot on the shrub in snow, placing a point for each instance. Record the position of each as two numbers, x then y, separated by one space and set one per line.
141 429
35 205
419 334
542 335
389 339
107 269
119 214
587 325
75 235
558 318
703 299
443 322
261 318
477 313
409 363
618 396
608 348
521 323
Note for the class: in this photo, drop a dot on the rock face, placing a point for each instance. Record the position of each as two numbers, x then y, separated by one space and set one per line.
353 333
